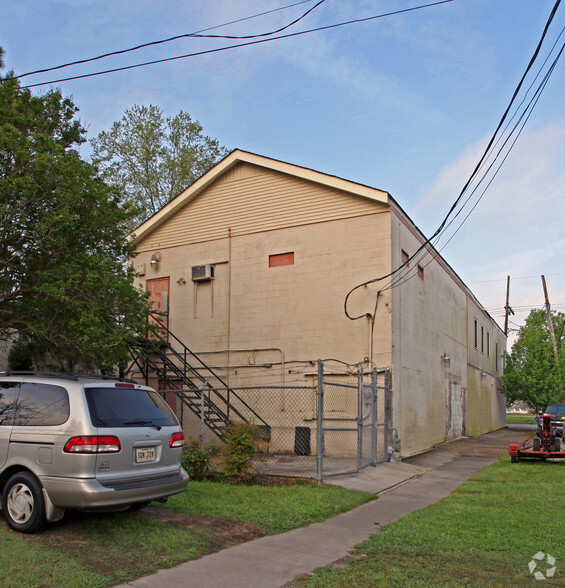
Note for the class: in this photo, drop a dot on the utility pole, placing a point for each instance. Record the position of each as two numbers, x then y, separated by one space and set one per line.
550 321
508 310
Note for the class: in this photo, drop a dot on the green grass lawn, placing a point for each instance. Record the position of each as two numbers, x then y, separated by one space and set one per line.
484 534
520 419
98 550
273 509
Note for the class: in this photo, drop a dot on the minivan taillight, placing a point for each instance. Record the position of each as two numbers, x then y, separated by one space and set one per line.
177 440
93 444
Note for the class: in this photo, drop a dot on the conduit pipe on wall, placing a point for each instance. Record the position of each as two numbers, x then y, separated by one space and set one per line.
371 324
254 350
228 335
370 328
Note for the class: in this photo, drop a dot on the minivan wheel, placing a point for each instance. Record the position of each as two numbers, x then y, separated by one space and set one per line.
23 504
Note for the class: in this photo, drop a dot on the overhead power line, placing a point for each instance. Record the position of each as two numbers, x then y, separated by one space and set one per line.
409 268
187 35
523 117
504 151
523 307
236 46
494 141
515 278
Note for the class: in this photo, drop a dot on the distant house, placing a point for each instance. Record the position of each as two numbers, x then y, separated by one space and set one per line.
252 265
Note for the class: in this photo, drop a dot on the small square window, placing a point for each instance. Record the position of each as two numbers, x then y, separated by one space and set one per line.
281 259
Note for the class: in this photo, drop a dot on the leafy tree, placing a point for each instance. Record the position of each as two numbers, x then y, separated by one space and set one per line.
65 285
531 374
151 159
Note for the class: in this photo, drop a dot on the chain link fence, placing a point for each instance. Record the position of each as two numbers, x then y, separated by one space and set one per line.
339 425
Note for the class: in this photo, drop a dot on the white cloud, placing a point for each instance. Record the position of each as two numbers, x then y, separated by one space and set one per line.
528 189
517 228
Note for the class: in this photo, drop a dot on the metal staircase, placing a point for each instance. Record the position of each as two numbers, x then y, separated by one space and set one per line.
200 389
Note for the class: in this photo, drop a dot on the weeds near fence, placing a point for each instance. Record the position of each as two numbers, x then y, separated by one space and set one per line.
198 461
244 443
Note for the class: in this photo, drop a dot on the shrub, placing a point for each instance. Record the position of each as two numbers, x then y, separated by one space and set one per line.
244 442
197 461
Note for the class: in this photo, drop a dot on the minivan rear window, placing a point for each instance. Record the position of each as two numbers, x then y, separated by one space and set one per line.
41 405
128 407
8 402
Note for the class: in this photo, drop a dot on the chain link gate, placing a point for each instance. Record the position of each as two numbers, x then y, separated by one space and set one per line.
338 425
346 445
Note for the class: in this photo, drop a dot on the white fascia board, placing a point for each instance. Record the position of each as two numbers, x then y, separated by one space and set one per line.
238 156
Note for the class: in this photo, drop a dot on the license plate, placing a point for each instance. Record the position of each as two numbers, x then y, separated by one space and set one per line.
143 454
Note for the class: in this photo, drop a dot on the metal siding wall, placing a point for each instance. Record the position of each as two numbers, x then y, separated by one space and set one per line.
249 199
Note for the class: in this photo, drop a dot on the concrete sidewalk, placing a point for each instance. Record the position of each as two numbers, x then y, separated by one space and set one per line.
276 560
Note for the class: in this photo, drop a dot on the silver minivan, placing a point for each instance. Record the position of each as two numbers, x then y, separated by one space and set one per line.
83 442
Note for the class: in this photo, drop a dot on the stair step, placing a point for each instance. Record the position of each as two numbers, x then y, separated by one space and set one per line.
171 366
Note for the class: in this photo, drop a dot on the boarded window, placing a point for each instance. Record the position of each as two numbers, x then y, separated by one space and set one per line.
159 289
405 259
281 259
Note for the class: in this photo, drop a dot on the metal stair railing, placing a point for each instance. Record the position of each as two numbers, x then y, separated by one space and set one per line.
190 395
171 367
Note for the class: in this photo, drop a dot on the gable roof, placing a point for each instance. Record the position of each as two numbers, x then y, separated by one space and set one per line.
238 156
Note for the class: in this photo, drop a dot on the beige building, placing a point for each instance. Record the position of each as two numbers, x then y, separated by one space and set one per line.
252 266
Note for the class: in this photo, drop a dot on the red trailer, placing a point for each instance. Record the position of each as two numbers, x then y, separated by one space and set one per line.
545 442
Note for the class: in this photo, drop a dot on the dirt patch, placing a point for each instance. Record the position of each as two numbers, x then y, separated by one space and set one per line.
223 532
272 480
95 541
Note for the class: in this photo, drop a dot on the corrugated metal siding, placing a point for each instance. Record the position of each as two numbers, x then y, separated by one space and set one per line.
248 199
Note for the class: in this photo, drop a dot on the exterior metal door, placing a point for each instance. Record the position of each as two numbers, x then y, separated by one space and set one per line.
159 289
455 411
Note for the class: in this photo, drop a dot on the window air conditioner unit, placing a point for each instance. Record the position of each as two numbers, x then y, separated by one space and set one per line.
202 273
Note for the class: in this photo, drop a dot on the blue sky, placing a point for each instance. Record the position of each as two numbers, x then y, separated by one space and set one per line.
404 103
